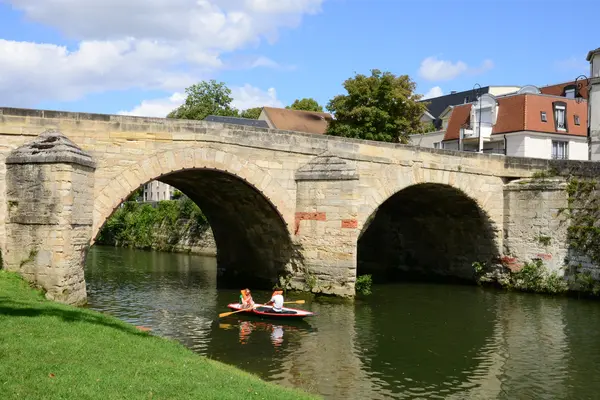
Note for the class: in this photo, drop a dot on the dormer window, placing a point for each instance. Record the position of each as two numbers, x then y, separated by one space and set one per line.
570 93
560 112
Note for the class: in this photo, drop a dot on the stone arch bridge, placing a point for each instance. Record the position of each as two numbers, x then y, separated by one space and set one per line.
307 208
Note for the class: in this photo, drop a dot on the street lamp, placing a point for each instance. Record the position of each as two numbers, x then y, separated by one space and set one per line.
580 81
579 84
478 97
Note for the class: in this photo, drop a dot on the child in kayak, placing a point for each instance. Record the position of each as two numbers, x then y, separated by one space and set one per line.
246 298
277 300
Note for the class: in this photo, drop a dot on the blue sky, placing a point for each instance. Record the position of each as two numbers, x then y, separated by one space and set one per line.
103 56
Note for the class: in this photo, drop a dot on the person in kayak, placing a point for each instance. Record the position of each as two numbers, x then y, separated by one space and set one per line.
277 300
246 298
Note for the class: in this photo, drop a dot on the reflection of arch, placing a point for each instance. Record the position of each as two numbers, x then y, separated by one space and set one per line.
427 229
152 168
247 210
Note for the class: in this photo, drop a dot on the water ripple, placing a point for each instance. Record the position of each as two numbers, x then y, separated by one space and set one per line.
405 341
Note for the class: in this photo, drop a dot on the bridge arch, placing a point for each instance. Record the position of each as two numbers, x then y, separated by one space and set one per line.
429 230
249 212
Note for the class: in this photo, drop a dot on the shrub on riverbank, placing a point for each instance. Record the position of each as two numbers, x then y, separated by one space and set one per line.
534 277
53 351
142 226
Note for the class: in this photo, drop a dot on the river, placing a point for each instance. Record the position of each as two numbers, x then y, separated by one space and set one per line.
405 341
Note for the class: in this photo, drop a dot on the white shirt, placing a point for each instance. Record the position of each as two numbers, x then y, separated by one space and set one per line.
277 302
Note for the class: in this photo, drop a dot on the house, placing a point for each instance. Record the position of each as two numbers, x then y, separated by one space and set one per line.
295 120
157 191
438 105
527 123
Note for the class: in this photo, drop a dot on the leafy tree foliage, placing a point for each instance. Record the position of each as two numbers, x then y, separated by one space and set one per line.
252 113
305 104
380 107
204 99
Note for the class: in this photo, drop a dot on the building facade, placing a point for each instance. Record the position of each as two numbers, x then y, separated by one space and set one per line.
157 191
526 123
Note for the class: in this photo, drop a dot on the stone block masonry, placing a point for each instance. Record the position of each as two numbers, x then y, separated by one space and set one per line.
279 203
50 200
534 227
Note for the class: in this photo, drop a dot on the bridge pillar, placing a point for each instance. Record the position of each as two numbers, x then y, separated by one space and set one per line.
533 223
326 225
50 185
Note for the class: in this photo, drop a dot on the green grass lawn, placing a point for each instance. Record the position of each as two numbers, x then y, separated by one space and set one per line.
53 351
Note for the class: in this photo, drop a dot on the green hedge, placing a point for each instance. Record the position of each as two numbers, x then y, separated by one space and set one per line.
144 226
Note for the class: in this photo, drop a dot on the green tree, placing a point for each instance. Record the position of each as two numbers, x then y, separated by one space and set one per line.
306 105
204 99
252 113
427 127
380 107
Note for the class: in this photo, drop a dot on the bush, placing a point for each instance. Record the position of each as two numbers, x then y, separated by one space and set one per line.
532 277
137 225
363 285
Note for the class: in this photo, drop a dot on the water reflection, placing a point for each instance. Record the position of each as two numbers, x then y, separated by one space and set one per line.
276 331
406 341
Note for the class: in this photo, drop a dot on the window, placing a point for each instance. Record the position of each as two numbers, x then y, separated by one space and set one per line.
570 93
543 115
576 118
466 100
437 145
559 116
560 150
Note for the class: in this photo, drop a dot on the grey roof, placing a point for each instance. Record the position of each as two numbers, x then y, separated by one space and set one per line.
591 54
438 105
237 121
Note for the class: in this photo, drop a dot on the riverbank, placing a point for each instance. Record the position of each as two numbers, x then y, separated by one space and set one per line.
50 350
171 225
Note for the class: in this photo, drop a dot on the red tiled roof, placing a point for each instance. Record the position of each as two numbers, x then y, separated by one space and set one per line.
536 104
461 116
522 112
511 114
559 88
299 121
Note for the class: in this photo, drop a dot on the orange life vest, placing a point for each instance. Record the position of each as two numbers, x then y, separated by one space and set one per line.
244 295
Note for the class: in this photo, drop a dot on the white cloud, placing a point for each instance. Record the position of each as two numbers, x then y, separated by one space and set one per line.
434 69
30 72
148 44
435 91
156 107
244 97
249 96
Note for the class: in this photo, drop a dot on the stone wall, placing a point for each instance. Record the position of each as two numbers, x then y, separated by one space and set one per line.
534 225
49 199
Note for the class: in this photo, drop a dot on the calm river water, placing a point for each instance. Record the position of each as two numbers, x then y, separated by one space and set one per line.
405 341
